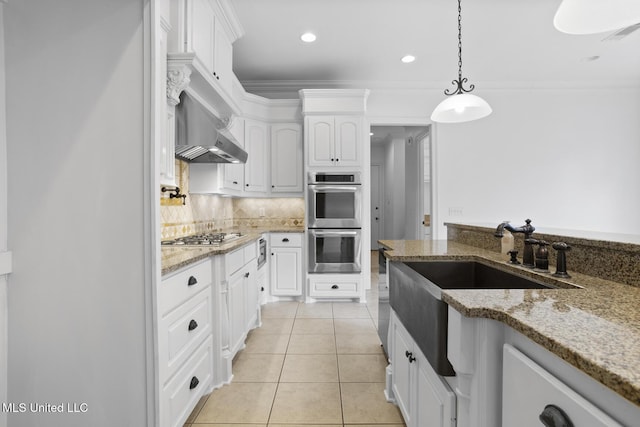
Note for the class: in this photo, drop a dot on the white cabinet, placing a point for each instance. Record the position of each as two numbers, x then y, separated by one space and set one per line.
286 264
286 158
256 143
335 285
164 122
199 29
242 299
528 390
423 397
184 322
335 140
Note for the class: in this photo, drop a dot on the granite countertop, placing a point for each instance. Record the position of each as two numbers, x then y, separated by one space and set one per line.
591 323
177 257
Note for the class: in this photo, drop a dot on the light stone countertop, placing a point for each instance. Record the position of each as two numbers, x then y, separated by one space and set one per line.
177 257
595 328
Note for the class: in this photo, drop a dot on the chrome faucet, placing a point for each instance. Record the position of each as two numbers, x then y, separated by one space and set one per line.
527 230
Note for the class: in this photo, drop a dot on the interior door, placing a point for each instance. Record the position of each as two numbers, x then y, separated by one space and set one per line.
376 207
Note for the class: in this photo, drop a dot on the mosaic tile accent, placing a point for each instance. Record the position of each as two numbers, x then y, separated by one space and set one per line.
209 213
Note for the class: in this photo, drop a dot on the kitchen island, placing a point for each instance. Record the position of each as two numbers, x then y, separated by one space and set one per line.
587 322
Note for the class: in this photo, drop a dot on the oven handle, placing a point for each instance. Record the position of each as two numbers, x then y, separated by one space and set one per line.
334 189
335 233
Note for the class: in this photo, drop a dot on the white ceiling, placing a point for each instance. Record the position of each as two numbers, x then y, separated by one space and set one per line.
506 43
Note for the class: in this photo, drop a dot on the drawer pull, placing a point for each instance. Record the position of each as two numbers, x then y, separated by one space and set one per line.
194 383
192 325
285 240
409 356
335 287
246 274
552 416
192 281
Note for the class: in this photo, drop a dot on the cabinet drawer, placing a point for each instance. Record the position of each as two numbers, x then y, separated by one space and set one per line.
283 240
182 331
182 394
249 252
528 388
337 289
234 261
176 289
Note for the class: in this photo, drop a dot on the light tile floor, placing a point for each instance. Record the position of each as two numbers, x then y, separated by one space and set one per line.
308 365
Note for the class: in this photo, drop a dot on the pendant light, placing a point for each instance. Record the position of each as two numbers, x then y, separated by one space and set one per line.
596 16
461 106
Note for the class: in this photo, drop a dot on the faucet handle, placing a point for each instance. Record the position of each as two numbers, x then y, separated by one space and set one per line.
561 260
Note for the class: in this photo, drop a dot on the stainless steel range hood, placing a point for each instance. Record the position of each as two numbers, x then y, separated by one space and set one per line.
198 139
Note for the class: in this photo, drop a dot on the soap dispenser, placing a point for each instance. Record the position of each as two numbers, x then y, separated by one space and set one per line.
507 242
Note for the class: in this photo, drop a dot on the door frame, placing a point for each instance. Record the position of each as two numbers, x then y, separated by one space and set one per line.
381 194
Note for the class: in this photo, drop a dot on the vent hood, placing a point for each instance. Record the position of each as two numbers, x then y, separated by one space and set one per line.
198 139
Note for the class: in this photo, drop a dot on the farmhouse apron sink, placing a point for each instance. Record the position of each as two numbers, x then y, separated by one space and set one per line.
415 295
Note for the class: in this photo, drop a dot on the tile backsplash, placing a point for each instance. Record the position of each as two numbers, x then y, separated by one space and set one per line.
209 212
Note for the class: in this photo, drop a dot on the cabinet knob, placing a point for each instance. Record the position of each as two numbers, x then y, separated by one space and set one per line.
337 160
246 274
192 281
273 186
409 356
235 182
194 383
247 185
335 287
552 416
192 325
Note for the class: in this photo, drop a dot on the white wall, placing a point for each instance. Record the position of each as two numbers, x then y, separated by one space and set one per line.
3 226
76 147
567 158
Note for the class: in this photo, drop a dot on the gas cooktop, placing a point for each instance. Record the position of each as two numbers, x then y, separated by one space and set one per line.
206 239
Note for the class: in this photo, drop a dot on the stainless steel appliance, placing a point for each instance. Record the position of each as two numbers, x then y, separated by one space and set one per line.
204 239
335 250
262 253
335 200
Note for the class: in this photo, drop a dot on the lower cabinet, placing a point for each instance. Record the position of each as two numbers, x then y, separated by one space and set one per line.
185 346
423 397
286 264
530 393
335 285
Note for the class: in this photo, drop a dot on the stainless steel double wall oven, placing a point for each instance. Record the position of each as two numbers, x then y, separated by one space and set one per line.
334 222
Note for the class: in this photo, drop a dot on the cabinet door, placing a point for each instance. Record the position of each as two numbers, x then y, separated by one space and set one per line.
320 139
435 402
223 58
255 170
201 31
286 158
286 271
233 176
237 308
348 141
402 372
252 295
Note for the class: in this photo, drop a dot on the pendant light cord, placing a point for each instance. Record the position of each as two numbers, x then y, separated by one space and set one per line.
460 40
459 83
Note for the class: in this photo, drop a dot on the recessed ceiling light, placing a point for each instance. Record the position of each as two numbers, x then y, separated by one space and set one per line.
408 59
308 37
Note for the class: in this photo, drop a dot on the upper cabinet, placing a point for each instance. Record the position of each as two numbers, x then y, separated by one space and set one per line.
286 158
200 45
335 127
256 143
335 140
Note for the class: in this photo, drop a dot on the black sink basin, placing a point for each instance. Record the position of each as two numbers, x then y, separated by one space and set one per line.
415 295
471 275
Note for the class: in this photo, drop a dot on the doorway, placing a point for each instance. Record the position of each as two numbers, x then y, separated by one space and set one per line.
400 183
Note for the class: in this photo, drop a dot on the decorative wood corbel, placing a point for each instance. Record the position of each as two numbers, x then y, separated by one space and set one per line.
178 78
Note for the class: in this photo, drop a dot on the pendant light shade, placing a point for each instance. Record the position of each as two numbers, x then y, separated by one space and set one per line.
596 16
463 107
460 106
